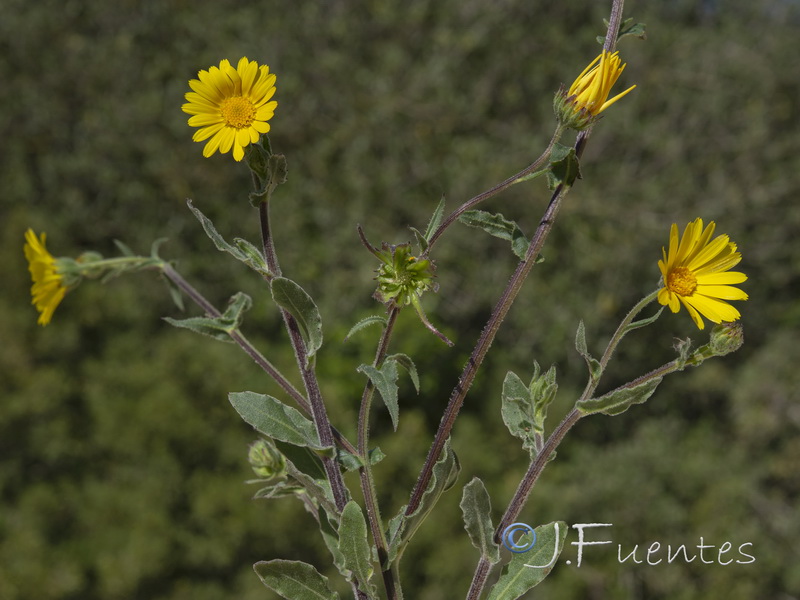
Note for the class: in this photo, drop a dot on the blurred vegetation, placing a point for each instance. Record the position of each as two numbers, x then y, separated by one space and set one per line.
122 463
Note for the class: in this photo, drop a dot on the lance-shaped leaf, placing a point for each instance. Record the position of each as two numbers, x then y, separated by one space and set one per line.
498 226
620 399
385 381
243 251
327 527
355 547
275 419
518 411
477 509
294 299
528 569
366 322
643 322
219 328
405 361
294 580
595 369
443 477
423 239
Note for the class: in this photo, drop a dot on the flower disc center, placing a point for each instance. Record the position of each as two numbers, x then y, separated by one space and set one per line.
238 112
682 281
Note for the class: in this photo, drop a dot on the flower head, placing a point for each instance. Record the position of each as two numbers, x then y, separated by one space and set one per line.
587 97
48 287
696 273
231 106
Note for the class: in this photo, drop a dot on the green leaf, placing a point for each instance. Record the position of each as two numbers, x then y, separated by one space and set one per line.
523 572
366 322
620 399
595 368
331 538
405 361
275 419
126 251
627 27
443 477
643 322
219 328
498 226
174 293
280 489
564 171
355 547
294 580
294 299
436 219
477 509
518 411
385 381
243 251
351 462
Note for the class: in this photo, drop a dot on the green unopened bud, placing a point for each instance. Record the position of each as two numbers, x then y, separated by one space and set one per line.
726 338
266 460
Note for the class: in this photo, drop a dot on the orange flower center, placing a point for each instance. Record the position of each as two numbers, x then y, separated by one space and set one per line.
682 281
238 112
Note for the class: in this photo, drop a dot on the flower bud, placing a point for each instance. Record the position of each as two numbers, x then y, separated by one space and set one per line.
266 460
726 338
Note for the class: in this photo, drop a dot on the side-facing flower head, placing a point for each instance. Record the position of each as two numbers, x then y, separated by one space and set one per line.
696 272
231 106
48 287
587 97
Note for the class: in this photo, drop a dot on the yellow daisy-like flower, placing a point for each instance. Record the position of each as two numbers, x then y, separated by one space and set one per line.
696 273
587 97
48 284
231 106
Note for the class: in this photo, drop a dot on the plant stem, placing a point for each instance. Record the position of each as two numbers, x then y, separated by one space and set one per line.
241 341
542 458
390 576
472 202
484 342
318 412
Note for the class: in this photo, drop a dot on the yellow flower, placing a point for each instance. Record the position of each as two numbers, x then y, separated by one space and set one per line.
48 287
231 106
587 97
696 272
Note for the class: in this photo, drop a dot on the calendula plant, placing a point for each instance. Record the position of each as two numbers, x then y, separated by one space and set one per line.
302 454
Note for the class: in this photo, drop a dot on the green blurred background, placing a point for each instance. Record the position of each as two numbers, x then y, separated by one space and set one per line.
122 465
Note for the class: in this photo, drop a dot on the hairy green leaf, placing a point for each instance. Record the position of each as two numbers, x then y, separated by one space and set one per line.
498 226
294 299
620 399
385 381
275 419
294 580
528 569
366 322
355 547
477 509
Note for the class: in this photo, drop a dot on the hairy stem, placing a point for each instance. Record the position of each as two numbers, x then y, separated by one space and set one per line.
503 185
318 412
542 458
390 579
245 344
